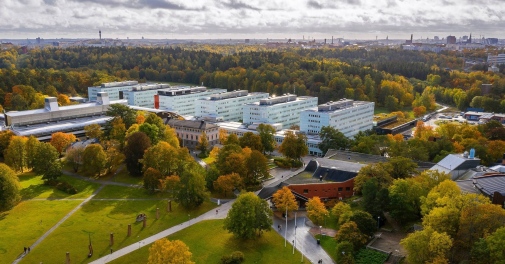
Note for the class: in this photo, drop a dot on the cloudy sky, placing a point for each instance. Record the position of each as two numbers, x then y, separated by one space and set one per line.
250 18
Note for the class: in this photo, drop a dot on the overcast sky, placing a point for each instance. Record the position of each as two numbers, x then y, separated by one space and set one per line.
251 18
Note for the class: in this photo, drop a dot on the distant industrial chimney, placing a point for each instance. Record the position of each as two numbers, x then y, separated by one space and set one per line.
100 34
102 98
411 38
331 39
51 104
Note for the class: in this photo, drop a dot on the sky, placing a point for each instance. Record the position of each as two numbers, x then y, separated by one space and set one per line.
253 19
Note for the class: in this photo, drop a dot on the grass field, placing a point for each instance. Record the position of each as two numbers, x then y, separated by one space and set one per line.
120 192
208 242
26 222
124 177
329 245
33 187
100 218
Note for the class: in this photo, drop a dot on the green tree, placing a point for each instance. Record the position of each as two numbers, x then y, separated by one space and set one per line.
340 210
316 211
134 150
251 140
331 138
345 252
232 139
375 199
248 216
203 145
405 200
15 154
366 224
165 158
191 191
294 146
73 157
124 112
350 232
427 245
5 139
379 171
152 179
256 169
267 135
152 131
31 149
9 186
401 167
47 162
94 159
496 244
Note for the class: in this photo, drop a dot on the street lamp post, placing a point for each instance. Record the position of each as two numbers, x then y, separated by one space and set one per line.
320 232
378 222
286 229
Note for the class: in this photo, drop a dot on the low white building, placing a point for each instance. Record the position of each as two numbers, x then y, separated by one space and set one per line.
112 89
348 116
226 106
143 95
182 99
283 109
496 59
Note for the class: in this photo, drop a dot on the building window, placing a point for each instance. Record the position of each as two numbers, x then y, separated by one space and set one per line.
305 190
347 188
339 189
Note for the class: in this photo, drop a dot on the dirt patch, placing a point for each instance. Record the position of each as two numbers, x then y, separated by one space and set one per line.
390 242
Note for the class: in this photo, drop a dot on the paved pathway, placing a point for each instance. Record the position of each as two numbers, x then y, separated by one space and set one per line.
222 212
305 242
59 223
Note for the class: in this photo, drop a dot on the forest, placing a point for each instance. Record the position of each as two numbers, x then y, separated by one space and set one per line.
391 77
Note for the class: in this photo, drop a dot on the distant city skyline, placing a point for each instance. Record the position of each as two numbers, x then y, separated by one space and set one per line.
252 19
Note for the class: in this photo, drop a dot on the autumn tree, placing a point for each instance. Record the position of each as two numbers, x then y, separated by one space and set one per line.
127 115
203 145
294 146
267 136
426 245
47 162
341 212
256 169
252 141
136 144
93 131
405 200
248 216
170 136
31 149
379 171
164 251
170 183
73 157
284 200
401 167
63 100
166 158
316 211
61 141
115 129
15 154
114 156
152 178
223 135
351 233
227 183
9 186
94 159
331 138
5 139
345 252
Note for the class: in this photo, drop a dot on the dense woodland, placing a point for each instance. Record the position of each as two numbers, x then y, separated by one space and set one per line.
392 78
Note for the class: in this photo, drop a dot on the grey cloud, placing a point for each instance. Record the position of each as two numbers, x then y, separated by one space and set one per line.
314 4
161 4
237 4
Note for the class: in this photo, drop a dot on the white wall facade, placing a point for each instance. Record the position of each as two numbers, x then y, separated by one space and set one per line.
286 112
226 106
350 117
112 89
184 104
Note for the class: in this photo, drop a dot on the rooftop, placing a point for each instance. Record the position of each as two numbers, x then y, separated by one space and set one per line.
57 126
338 105
183 90
191 124
283 99
490 184
62 108
327 171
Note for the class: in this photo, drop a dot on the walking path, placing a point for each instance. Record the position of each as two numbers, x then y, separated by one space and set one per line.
221 214
59 223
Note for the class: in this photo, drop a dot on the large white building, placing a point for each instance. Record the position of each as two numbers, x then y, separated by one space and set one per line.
495 60
348 116
226 106
143 95
182 99
283 109
112 89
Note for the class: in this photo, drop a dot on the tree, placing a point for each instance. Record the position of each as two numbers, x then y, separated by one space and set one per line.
375 198
252 141
227 183
203 145
316 211
63 100
73 157
267 136
405 200
285 200
379 171
401 167
31 149
47 162
152 179
351 233
94 159
93 131
340 210
426 245
223 135
5 139
293 146
152 131
366 224
136 144
114 157
440 196
191 191
61 141
170 136
331 138
345 252
15 154
248 216
124 112
232 139
116 129
256 169
9 186
164 251
496 245
170 183
165 158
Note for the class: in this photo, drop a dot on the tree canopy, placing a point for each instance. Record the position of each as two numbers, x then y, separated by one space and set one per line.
248 216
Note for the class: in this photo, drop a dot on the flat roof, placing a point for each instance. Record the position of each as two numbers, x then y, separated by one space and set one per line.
56 126
61 108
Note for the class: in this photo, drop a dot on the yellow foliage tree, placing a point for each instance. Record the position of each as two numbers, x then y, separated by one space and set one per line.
285 200
164 251
316 211
61 141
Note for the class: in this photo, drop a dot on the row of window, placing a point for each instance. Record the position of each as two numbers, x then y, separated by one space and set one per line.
305 191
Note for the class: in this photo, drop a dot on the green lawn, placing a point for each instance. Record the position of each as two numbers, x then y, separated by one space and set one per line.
208 242
122 176
26 222
100 218
120 192
329 245
33 187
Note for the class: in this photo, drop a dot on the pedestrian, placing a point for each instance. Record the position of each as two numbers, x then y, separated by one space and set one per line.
111 250
28 249
25 249
217 211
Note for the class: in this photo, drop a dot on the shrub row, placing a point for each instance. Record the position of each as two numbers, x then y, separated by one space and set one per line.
286 163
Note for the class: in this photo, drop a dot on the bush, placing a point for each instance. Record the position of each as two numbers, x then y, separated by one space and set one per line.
236 257
66 187
368 256
286 163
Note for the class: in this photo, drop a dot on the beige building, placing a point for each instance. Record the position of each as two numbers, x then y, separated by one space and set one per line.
189 132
